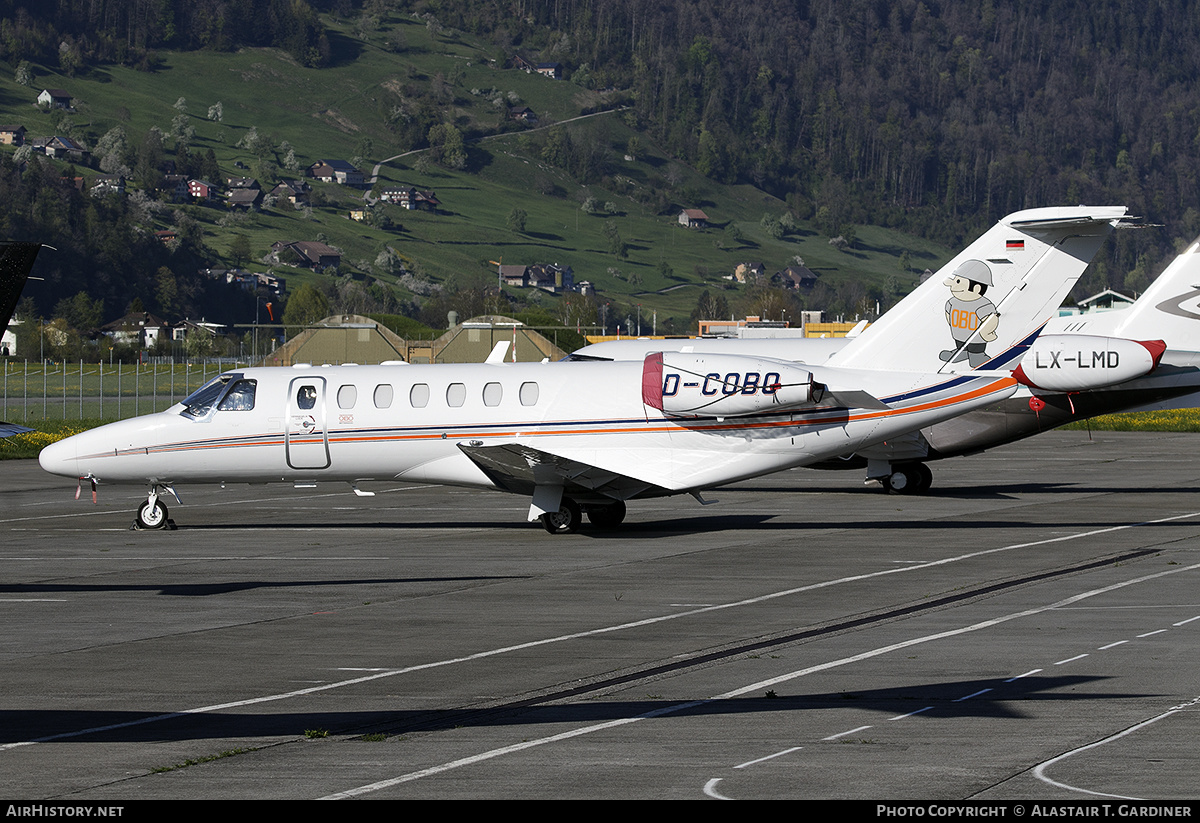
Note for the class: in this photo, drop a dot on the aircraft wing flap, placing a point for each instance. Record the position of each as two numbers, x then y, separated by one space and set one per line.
519 468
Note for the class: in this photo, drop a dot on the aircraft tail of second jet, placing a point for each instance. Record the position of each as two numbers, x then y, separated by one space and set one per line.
982 309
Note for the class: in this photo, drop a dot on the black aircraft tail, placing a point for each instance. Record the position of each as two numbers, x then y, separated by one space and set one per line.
16 261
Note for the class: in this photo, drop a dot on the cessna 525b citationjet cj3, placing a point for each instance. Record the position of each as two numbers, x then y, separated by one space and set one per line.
583 436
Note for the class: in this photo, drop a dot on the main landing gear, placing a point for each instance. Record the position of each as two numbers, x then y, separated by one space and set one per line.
569 516
153 513
908 478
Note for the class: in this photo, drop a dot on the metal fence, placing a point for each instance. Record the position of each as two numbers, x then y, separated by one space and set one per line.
99 391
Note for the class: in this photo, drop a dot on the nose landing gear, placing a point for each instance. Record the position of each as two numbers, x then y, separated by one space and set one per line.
153 513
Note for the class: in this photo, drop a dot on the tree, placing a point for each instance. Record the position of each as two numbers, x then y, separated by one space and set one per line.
710 307
306 306
516 219
446 146
239 250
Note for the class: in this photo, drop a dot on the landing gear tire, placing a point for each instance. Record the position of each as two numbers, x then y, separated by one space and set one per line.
152 515
926 480
608 516
912 478
564 521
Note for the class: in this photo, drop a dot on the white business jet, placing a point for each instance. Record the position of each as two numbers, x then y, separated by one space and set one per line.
586 436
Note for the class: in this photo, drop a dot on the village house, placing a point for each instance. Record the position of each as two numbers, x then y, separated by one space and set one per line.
409 198
749 272
336 171
202 190
140 328
551 70
795 277
108 184
244 198
247 280
12 135
693 219
292 191
305 254
55 99
522 114
241 183
63 148
176 186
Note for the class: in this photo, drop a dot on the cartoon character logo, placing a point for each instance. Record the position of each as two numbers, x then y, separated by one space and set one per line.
968 312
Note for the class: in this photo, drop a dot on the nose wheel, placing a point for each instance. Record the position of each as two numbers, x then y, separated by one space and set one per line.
153 513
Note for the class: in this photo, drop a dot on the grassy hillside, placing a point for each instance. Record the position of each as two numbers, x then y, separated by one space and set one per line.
363 107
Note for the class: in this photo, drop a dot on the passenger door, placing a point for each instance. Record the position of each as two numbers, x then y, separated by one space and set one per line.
306 439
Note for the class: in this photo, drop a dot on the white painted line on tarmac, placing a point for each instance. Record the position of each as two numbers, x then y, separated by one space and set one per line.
1185 622
768 757
843 734
1151 634
1040 770
1019 676
969 696
1113 645
1070 659
910 714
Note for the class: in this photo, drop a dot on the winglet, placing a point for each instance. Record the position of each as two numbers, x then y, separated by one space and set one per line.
498 352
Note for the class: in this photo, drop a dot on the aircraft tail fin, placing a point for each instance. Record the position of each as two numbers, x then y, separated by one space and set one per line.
1169 310
983 308
16 261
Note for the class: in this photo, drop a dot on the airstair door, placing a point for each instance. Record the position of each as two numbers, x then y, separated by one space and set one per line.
306 438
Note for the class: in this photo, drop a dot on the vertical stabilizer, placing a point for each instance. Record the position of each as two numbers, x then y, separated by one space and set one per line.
980 309
1170 309
16 261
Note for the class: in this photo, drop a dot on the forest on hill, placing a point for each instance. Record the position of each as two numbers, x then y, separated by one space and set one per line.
930 118
936 118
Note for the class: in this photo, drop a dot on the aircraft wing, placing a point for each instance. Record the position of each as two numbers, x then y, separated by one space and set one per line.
518 468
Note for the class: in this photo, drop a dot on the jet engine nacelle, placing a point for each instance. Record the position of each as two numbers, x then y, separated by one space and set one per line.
1077 362
724 385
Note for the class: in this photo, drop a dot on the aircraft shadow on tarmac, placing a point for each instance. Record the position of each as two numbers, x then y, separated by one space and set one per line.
985 491
790 518
991 699
231 587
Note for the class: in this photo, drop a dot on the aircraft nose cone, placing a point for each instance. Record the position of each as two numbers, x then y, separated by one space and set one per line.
61 458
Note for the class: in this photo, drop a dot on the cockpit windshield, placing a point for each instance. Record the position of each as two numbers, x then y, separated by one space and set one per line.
226 392
200 402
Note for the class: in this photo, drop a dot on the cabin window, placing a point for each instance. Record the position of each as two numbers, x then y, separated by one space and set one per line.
240 397
383 396
456 395
306 397
418 395
492 394
347 396
529 394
